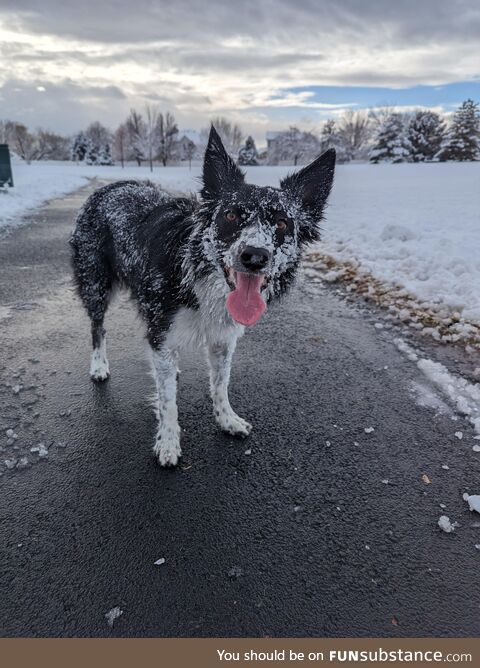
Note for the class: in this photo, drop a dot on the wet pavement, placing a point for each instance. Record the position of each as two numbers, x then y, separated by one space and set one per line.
311 527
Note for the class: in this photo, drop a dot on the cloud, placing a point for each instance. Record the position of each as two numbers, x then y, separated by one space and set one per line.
69 105
256 58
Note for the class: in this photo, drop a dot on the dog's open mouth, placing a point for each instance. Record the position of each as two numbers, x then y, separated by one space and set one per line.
245 302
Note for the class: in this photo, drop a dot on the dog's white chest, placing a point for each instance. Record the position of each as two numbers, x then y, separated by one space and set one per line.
195 328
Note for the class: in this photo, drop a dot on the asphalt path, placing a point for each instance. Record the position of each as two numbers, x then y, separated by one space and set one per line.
310 527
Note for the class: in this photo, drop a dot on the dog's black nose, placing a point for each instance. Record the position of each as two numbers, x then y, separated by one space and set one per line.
254 258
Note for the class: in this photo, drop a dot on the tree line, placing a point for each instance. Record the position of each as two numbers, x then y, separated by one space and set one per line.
384 135
381 135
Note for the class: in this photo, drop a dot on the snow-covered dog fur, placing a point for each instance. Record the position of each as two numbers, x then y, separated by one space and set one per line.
200 269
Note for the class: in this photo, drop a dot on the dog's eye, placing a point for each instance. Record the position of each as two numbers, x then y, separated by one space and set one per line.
281 224
231 216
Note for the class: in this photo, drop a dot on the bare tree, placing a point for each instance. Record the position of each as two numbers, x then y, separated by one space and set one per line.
98 134
378 116
355 130
136 136
151 139
166 134
330 137
24 143
293 146
230 134
6 132
51 146
120 142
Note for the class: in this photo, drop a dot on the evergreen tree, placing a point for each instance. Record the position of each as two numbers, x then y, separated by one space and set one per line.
105 156
80 147
248 154
91 157
391 143
425 133
462 139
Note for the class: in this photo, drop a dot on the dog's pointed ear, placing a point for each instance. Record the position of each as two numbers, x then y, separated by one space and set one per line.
219 170
312 184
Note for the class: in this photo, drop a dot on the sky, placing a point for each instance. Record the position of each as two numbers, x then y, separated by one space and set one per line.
266 64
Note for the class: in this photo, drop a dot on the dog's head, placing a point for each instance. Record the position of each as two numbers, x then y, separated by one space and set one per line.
254 235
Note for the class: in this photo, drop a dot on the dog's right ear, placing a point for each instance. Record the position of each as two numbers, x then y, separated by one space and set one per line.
219 170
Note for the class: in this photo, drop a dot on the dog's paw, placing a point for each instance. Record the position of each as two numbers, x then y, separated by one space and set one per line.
99 368
233 424
167 450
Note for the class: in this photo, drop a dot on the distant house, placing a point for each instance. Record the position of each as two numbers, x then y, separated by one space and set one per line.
271 136
188 145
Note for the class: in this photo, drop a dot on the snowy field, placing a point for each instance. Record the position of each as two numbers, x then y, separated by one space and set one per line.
414 228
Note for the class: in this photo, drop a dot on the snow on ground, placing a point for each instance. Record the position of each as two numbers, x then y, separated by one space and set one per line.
41 181
463 396
408 235
33 185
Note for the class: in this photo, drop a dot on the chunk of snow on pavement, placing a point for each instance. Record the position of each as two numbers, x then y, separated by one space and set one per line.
112 615
368 430
160 561
459 435
473 501
235 572
476 448
426 397
445 524
406 349
40 449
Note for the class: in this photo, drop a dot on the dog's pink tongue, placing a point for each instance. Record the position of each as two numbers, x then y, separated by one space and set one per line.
245 303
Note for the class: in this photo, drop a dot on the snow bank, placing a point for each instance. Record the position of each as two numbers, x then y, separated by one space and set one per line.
413 226
33 185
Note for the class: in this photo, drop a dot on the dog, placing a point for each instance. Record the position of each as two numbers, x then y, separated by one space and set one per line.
200 269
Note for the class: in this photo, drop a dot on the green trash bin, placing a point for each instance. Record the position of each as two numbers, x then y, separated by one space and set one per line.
6 176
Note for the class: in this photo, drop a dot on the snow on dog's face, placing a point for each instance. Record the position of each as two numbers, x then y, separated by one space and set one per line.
254 235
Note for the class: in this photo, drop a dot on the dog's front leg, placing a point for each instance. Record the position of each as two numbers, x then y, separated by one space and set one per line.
167 443
220 359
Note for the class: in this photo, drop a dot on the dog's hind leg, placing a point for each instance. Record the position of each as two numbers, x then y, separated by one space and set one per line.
167 441
94 281
220 361
99 367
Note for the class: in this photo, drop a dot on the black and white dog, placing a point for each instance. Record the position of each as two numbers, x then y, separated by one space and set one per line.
200 270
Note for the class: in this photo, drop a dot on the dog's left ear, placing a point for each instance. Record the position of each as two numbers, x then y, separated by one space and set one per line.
312 184
219 170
